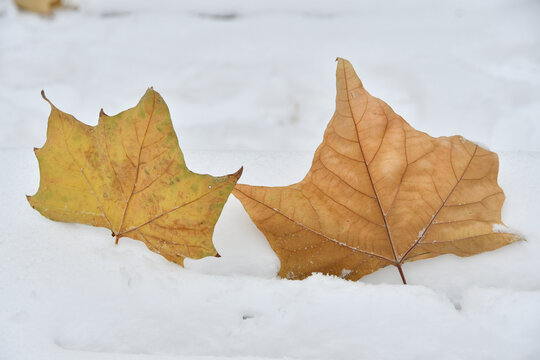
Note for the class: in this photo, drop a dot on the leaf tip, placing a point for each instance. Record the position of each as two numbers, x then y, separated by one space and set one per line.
150 92
345 72
238 173
519 237
102 113
345 64
45 98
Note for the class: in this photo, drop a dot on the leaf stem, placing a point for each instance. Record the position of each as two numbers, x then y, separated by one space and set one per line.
398 265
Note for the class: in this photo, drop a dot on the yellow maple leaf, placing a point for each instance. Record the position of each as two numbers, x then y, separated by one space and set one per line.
128 174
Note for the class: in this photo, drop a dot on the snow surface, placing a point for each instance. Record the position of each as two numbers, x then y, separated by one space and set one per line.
252 83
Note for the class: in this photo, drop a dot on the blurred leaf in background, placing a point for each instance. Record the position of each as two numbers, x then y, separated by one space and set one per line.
38 6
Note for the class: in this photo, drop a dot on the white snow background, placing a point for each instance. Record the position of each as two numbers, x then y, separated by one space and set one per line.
252 83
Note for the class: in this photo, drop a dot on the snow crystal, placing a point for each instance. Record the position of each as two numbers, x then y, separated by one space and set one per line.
501 228
345 273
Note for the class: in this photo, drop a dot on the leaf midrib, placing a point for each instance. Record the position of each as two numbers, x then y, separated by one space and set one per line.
367 164
138 165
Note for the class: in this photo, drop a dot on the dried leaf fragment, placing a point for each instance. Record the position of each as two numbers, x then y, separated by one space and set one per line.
44 7
128 174
379 193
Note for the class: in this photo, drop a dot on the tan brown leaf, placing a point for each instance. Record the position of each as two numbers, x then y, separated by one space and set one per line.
39 6
379 193
128 174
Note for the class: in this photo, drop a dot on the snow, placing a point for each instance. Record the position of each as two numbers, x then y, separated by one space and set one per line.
252 83
501 228
67 287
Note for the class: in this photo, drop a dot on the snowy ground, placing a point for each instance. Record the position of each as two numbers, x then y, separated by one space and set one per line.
252 83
